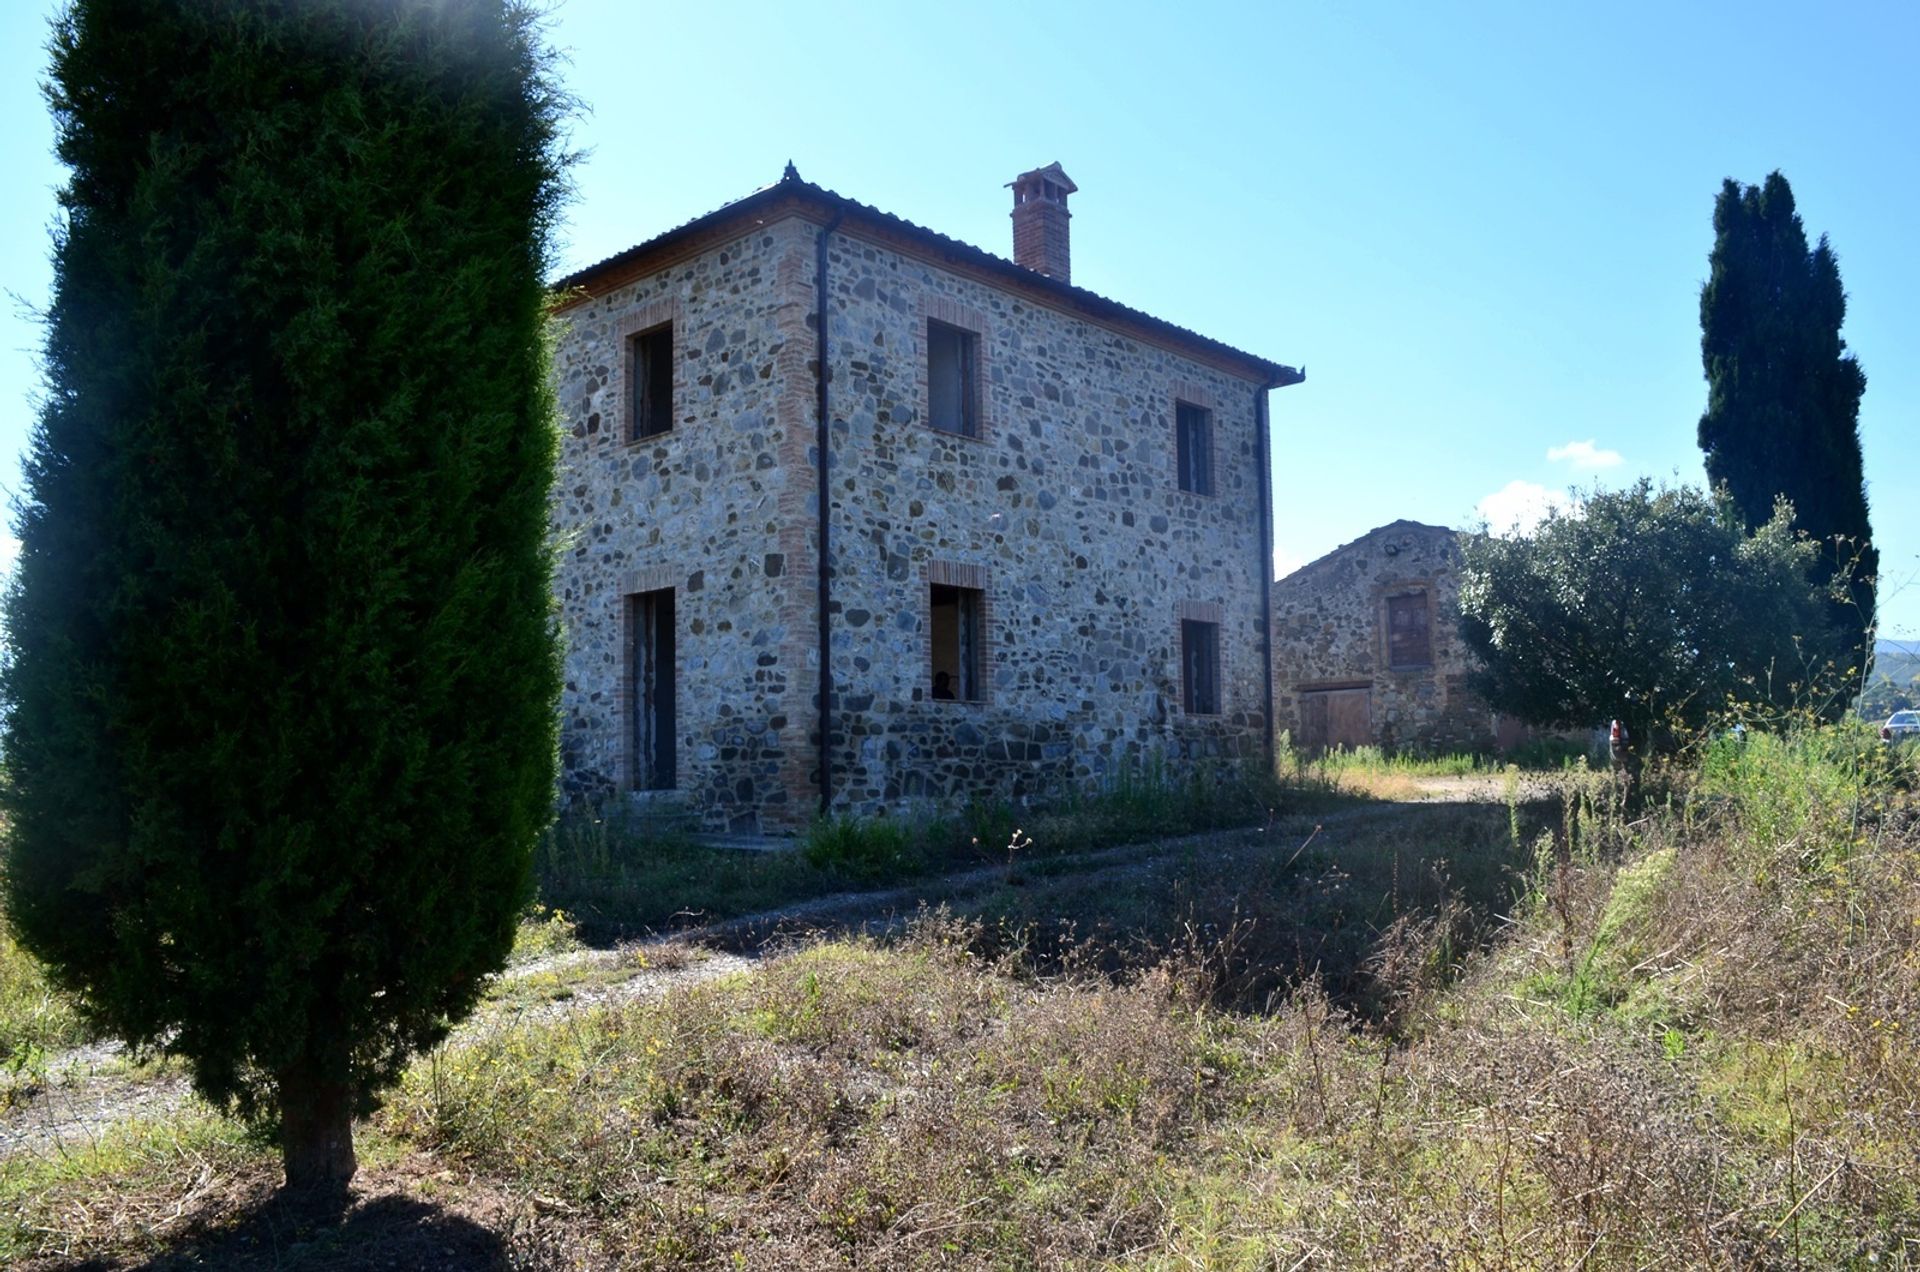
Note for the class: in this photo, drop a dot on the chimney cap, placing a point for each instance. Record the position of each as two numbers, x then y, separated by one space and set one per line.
1052 172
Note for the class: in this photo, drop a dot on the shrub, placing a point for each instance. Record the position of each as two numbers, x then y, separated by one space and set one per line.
862 848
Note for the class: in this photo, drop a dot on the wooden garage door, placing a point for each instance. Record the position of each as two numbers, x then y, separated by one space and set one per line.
1335 717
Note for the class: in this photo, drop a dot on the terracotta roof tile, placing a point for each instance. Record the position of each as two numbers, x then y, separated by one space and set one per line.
791 185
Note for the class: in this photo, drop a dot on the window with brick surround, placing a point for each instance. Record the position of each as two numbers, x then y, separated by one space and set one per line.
957 633
651 690
1409 631
650 382
1200 667
953 395
1193 428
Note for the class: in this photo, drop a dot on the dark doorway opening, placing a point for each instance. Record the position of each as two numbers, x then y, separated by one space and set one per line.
651 627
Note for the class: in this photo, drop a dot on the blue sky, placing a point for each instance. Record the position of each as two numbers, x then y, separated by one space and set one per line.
1481 228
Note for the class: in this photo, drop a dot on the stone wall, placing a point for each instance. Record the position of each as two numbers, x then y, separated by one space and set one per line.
1330 623
1066 510
709 509
1067 505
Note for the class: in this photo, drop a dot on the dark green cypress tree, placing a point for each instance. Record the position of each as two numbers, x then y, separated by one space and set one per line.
1783 404
280 690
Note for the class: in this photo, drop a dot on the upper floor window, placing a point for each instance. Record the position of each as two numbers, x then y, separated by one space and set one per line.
953 398
650 382
1193 427
1409 631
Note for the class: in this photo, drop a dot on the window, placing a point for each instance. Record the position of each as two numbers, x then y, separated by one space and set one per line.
650 377
956 631
1193 426
651 670
1200 667
1409 635
953 404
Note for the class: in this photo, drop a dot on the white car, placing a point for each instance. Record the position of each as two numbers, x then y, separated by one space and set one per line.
1901 726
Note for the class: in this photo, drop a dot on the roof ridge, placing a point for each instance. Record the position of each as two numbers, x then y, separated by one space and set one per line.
791 182
1330 553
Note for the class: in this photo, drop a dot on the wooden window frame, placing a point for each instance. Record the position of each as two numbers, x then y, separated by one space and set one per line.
644 319
638 744
1195 474
971 323
1424 596
967 353
971 580
1210 615
644 374
1194 693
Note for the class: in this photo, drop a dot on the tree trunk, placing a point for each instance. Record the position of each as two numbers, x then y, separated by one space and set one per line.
316 1131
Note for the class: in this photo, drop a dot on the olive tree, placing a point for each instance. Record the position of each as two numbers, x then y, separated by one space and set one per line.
1653 606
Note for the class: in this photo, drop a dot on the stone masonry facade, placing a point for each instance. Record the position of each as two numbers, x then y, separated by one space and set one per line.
1367 649
1096 586
706 509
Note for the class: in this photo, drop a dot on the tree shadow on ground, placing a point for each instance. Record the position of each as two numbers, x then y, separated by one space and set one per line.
384 1231
1373 910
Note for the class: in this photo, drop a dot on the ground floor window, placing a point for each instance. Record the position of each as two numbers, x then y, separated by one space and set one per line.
956 631
1200 667
652 678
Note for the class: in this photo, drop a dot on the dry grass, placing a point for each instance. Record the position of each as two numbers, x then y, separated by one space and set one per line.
1564 1036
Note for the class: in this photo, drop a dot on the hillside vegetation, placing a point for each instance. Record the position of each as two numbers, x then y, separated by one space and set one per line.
1894 682
1563 1028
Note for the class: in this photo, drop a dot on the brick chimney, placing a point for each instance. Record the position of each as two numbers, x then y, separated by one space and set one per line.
1040 221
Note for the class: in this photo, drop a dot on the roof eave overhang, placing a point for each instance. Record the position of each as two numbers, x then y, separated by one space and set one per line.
808 202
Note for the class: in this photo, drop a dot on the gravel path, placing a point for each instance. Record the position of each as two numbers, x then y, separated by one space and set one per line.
88 1090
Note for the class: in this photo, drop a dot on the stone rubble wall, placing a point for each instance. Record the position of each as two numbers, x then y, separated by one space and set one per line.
1329 622
705 509
1068 505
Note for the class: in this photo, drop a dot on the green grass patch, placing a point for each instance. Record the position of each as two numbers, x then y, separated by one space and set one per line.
864 849
35 1018
1770 1090
543 932
1808 791
1607 977
1379 914
617 873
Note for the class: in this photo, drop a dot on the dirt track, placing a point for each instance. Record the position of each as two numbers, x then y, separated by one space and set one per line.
88 1090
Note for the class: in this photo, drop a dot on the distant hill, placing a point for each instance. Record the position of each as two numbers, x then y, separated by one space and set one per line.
1895 683
1896 660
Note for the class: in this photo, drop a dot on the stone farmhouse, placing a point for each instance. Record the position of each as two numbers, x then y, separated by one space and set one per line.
855 515
1367 652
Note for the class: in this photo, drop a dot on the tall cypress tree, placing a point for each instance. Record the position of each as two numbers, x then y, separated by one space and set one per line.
280 691
1783 399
